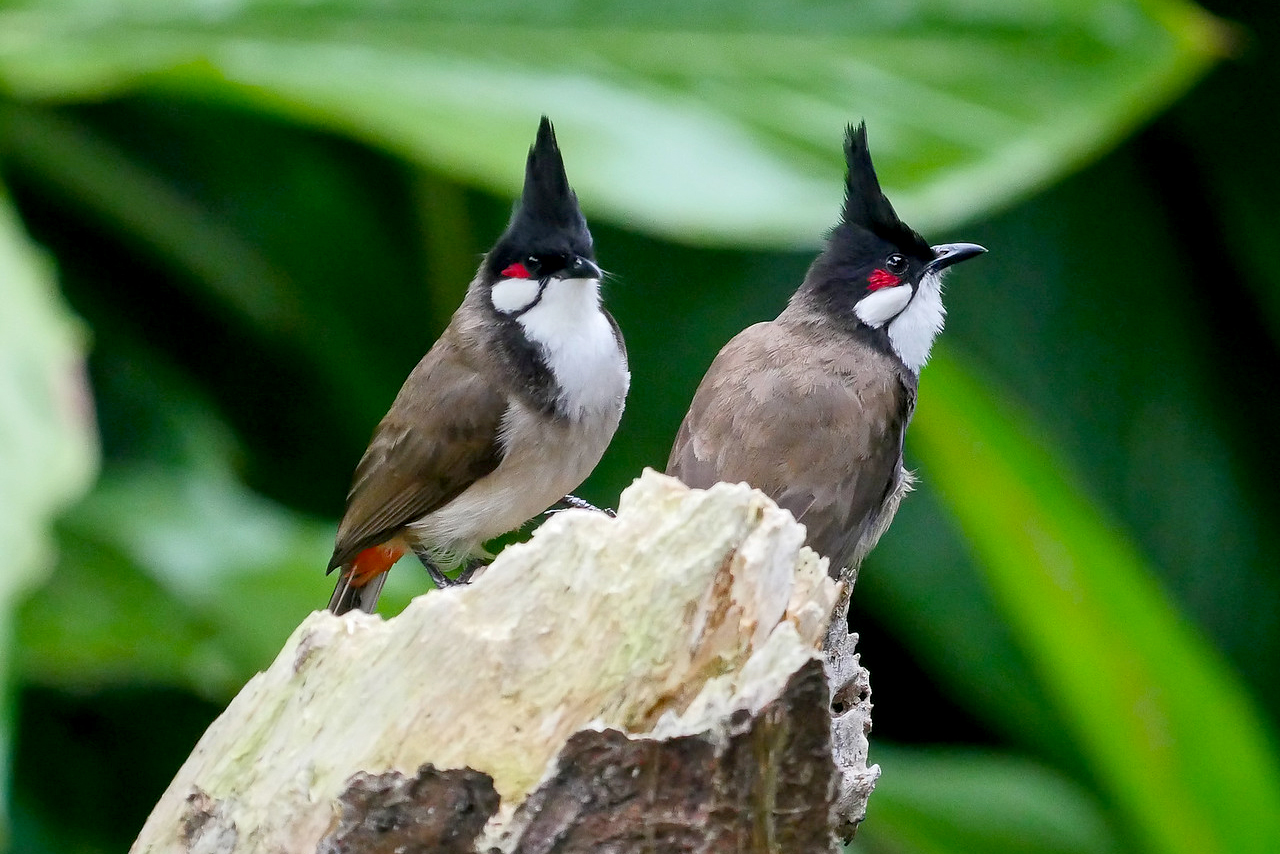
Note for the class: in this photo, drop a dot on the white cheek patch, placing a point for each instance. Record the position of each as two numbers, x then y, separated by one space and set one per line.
512 295
879 307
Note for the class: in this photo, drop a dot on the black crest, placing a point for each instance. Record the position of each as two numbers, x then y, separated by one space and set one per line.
547 219
865 204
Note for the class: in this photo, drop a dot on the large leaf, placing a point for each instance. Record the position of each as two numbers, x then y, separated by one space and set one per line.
1164 725
171 571
195 580
921 582
180 577
952 802
716 121
48 450
47 444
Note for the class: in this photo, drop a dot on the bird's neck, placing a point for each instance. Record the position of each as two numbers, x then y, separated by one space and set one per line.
564 351
908 335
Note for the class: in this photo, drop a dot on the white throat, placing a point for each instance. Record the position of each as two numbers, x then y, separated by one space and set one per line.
912 332
913 322
564 319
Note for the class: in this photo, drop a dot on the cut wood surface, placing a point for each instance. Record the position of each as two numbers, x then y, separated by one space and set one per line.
650 682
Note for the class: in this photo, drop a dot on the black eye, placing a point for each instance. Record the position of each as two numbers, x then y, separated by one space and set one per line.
533 265
896 264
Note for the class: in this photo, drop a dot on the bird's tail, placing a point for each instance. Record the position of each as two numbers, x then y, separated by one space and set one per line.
361 580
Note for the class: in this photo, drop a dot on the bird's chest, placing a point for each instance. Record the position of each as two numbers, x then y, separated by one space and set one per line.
585 367
543 460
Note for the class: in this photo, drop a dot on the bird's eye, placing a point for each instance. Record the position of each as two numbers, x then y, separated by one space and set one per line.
533 264
896 264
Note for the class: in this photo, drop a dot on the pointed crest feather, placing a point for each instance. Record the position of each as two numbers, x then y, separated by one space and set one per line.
547 218
865 204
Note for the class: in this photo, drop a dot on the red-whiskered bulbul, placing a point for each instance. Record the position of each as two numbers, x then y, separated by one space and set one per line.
509 411
812 408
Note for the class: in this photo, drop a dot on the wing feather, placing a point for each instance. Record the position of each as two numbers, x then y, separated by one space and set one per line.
815 422
442 434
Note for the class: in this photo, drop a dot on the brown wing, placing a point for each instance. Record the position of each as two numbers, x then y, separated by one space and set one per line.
440 436
815 422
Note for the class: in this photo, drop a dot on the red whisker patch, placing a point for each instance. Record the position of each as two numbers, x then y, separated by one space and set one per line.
882 279
516 271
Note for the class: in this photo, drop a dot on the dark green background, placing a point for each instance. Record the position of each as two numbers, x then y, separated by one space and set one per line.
1129 314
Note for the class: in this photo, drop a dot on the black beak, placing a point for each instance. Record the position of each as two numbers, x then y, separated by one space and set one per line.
579 268
951 253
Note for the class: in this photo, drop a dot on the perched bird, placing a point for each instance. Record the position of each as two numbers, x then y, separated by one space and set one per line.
509 411
812 408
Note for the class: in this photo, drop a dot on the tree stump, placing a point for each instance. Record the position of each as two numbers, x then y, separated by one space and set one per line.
651 682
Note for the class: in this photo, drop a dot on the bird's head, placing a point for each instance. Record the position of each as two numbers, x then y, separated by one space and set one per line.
546 241
876 269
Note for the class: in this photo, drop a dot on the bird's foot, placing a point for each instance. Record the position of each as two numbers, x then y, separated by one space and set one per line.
438 578
468 572
437 574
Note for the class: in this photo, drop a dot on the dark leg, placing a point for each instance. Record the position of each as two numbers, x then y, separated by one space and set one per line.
437 576
470 569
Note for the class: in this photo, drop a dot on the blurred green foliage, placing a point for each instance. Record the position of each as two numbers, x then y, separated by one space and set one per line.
263 213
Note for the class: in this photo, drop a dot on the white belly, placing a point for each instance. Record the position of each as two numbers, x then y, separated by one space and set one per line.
545 460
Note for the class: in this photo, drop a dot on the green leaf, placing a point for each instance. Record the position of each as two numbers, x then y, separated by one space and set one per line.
171 571
103 620
703 122
48 444
921 581
961 802
178 576
48 450
1163 723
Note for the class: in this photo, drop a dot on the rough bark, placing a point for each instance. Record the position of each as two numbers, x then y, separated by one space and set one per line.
850 695
650 682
